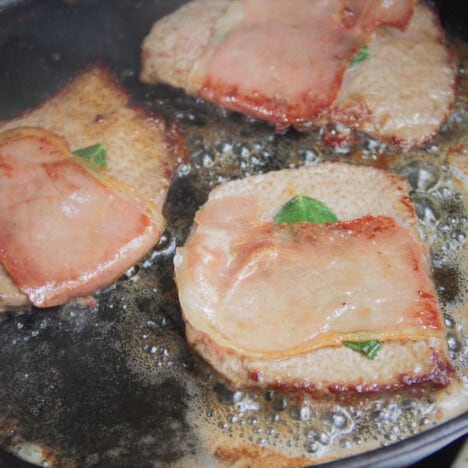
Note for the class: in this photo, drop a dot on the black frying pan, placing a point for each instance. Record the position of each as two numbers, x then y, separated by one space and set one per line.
86 383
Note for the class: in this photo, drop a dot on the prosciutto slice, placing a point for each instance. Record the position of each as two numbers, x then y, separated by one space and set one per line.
284 60
63 232
305 286
367 15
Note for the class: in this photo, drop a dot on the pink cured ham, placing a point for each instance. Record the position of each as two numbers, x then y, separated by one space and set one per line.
305 286
284 61
369 14
63 233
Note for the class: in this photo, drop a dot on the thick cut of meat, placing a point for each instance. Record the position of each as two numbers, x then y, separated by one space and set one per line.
141 149
263 302
288 62
63 232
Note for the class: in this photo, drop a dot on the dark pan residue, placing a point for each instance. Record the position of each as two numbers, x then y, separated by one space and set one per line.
68 382
116 385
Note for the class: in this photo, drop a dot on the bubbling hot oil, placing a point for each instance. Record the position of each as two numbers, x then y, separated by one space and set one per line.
142 307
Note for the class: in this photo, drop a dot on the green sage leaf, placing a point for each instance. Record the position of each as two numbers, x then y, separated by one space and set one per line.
95 154
305 209
368 348
363 54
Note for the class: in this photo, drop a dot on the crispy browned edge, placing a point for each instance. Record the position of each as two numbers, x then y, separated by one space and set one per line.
441 375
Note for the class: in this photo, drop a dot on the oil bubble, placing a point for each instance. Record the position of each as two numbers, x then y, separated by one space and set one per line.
422 175
309 156
311 447
342 421
241 149
345 443
424 421
449 322
358 440
459 236
452 343
427 208
444 191
280 404
300 413
408 405
150 349
324 438
226 396
275 417
195 141
183 169
443 227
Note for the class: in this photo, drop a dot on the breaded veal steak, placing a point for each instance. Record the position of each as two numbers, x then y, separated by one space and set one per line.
402 91
141 151
272 306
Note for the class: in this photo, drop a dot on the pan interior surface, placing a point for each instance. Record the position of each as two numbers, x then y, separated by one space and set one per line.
116 384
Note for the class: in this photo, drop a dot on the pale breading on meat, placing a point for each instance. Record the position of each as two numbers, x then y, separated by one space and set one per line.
401 93
177 41
256 323
11 297
141 155
405 89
